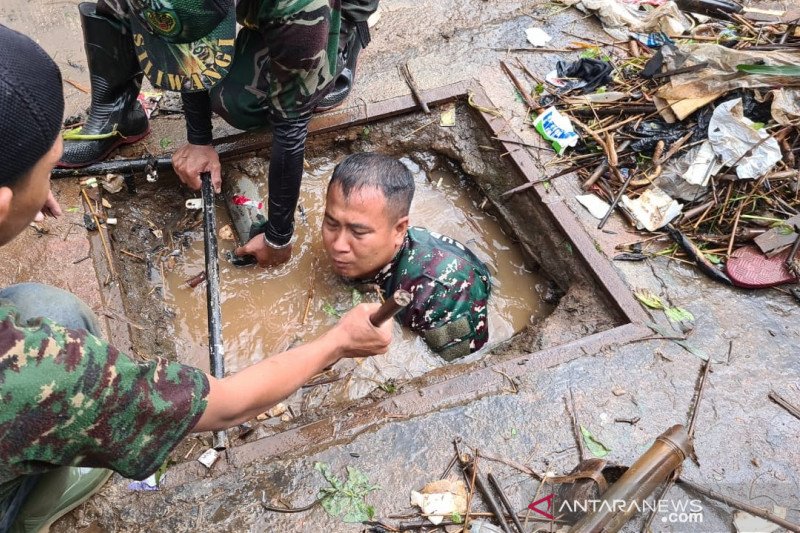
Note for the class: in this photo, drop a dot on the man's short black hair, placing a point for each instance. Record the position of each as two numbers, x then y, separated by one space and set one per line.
369 169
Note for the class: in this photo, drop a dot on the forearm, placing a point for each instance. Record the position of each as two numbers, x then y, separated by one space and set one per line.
197 110
255 389
285 175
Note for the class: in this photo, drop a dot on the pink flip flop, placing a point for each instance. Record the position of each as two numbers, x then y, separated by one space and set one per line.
749 268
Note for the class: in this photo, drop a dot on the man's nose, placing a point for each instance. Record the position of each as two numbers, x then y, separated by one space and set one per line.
341 243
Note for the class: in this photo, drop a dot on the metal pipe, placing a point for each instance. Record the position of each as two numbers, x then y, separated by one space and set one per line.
215 348
116 166
398 301
622 500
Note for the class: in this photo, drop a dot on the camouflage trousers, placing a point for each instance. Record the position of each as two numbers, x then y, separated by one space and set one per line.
34 300
241 98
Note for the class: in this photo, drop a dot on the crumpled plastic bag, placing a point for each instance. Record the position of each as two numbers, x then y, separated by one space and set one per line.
732 135
654 209
620 18
720 75
687 177
785 105
442 498
588 74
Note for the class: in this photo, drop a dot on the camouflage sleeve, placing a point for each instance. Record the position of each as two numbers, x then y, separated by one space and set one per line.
302 37
69 398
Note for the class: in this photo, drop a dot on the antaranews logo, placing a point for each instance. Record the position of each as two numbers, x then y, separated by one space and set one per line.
679 511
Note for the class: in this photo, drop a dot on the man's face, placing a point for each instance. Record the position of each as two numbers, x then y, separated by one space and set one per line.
359 234
18 206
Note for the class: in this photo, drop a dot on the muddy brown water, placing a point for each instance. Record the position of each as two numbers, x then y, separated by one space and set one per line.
264 311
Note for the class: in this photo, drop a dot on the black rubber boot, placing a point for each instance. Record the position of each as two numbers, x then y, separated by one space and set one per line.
115 80
355 37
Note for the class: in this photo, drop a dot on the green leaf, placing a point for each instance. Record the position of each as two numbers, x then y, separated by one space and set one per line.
686 345
72 210
165 143
770 70
456 518
590 53
346 498
783 229
388 386
161 471
713 258
357 297
757 125
679 314
539 89
597 448
513 432
330 310
649 299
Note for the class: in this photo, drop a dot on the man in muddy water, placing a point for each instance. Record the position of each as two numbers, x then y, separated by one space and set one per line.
72 407
368 240
289 59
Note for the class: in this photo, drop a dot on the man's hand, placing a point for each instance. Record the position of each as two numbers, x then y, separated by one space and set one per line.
49 209
356 335
266 255
190 160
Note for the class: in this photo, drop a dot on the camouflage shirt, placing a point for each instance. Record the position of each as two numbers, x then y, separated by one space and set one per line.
450 286
68 398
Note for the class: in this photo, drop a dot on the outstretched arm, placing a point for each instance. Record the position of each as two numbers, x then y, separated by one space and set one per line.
255 389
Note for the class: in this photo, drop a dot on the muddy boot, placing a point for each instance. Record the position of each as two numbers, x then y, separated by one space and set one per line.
57 493
353 38
115 79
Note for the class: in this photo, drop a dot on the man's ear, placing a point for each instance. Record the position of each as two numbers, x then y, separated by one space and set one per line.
6 195
400 228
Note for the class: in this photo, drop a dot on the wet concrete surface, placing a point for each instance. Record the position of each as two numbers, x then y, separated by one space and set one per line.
746 445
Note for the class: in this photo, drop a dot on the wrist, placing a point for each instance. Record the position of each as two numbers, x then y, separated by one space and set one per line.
334 342
275 246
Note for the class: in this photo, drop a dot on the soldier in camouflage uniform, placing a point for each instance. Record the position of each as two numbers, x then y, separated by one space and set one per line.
366 236
71 405
290 58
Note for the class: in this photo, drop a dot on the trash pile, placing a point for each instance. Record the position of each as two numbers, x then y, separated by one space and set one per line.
687 124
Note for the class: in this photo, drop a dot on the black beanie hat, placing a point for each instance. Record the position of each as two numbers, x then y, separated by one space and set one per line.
31 104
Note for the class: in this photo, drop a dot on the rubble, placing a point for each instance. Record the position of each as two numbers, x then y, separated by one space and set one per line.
696 138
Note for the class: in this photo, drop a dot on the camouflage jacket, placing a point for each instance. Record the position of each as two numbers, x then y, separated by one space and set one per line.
450 287
301 38
68 398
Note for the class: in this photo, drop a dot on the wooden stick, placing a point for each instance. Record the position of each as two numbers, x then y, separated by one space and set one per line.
576 428
406 72
698 398
602 167
736 504
310 296
663 492
617 198
526 186
504 500
780 400
135 256
106 249
518 84
399 300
